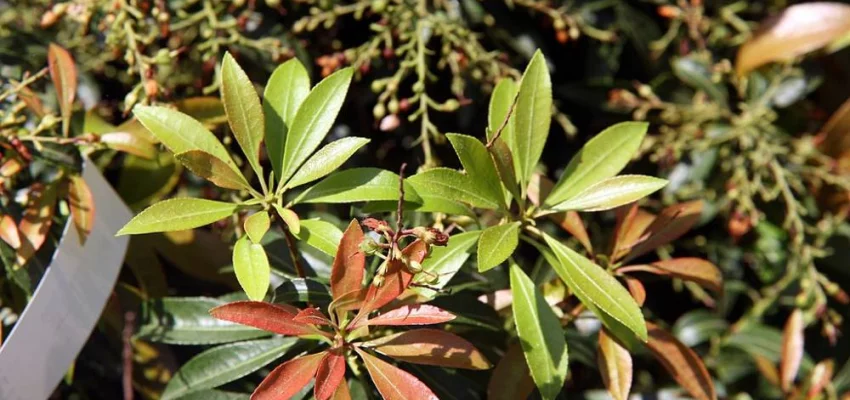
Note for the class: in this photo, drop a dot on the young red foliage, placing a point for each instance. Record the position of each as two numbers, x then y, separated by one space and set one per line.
330 375
266 316
397 279
287 379
414 314
430 347
349 265
393 383
312 316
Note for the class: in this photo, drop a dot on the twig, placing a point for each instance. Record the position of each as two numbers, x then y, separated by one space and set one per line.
127 354
399 224
293 252
504 123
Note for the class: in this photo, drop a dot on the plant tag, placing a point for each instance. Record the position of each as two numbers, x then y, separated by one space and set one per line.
68 301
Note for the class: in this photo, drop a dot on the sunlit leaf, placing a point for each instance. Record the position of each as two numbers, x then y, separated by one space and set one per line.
38 217
504 162
349 265
396 279
63 72
256 226
312 316
691 269
511 378
430 347
393 383
212 169
540 334
129 143
611 193
593 285
797 30
451 186
330 374
81 203
244 113
445 261
533 114
209 110
356 184
615 365
251 266
673 222
326 160
479 166
601 158
792 349
289 378
417 314
571 222
819 378
636 289
496 244
275 318
285 91
681 363
178 214
321 235
9 231
504 95
186 320
631 224
220 365
313 120
290 218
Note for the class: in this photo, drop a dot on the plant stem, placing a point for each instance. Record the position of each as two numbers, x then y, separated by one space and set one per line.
293 252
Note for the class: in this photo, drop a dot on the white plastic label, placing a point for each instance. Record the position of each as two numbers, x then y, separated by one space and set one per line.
68 301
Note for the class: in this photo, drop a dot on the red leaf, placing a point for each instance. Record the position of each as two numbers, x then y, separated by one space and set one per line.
636 289
673 222
393 383
348 301
9 231
342 392
820 377
572 223
81 202
396 280
330 374
681 362
311 316
63 72
431 347
615 365
631 223
416 314
38 217
350 263
511 378
792 349
691 269
288 378
266 316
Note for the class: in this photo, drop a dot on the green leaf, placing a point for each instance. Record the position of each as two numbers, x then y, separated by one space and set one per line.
302 290
601 158
533 117
449 185
290 218
244 113
594 286
313 120
500 103
210 394
479 166
697 74
497 244
251 265
504 161
181 133
212 169
612 193
356 184
326 160
321 235
224 364
187 321
286 89
178 214
444 262
540 334
257 225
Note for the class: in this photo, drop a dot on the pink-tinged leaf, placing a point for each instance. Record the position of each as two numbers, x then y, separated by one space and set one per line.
431 347
615 365
266 316
393 383
691 269
396 280
349 265
330 375
636 289
768 369
820 377
797 30
416 314
631 223
539 187
288 378
572 223
82 206
311 316
129 143
792 349
673 222
38 217
32 101
348 301
63 72
681 363
9 231
511 378
342 392
499 299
